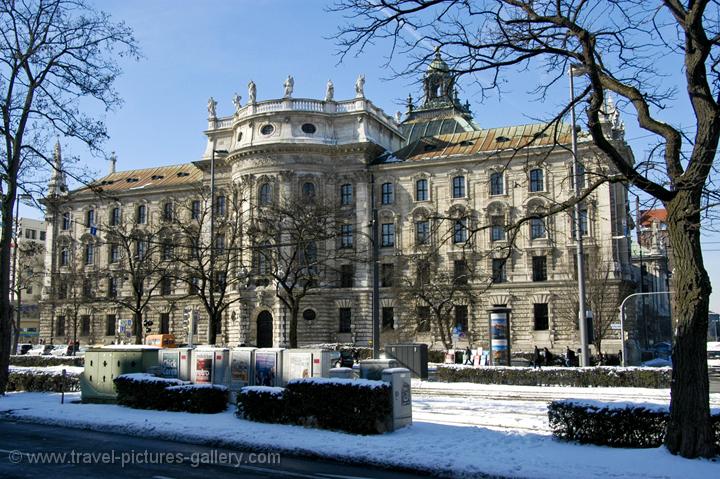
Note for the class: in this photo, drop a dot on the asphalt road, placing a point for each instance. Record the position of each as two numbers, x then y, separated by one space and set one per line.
81 454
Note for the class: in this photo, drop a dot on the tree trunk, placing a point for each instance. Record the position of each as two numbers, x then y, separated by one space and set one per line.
689 432
294 312
138 328
215 318
5 307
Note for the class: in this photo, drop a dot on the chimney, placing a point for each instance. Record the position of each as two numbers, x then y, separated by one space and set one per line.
113 162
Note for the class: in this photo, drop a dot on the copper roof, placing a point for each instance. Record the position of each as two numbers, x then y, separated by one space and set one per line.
158 177
487 140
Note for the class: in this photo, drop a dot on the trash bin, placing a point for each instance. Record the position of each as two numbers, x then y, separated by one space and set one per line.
399 379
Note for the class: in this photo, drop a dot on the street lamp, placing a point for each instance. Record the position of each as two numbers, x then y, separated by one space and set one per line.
577 70
212 230
376 273
622 318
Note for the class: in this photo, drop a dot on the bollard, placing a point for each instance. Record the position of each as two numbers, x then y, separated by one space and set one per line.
62 386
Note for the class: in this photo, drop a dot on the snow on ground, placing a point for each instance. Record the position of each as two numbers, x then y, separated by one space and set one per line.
451 435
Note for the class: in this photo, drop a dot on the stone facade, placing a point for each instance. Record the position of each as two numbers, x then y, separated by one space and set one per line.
435 164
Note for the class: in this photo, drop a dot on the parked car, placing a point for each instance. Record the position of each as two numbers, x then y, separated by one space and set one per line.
161 340
713 354
40 350
62 350
24 348
662 350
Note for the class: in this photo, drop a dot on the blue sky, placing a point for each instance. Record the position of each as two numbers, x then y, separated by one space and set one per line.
197 49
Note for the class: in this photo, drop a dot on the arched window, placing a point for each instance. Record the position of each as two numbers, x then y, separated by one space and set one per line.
265 194
497 184
458 187
141 215
537 182
168 211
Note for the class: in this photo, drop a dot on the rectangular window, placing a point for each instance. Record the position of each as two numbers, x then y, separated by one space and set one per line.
220 244
167 250
42 236
194 285
114 255
347 276
387 273
87 289
346 194
387 196
110 324
115 217
583 222
498 270
460 272
346 236
497 228
112 290
220 281
345 320
539 265
388 234
537 228
423 319
90 218
537 182
66 221
458 187
540 313
460 231
423 273
220 206
141 215
85 325
422 232
62 291
60 326
89 253
461 317
64 257
164 323
168 211
421 190
195 210
166 286
388 318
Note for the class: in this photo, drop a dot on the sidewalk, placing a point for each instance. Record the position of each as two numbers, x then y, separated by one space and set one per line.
437 442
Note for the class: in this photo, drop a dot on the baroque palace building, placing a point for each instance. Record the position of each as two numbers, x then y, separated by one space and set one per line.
436 181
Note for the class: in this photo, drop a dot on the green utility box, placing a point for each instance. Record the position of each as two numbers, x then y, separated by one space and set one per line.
102 365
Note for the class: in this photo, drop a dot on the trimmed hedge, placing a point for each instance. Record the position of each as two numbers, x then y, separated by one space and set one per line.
602 376
262 404
42 382
350 405
40 361
144 391
615 425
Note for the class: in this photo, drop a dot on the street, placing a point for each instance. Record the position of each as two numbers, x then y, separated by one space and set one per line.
714 374
79 453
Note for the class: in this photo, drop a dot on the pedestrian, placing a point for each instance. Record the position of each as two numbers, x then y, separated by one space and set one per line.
468 356
548 356
571 357
620 356
536 358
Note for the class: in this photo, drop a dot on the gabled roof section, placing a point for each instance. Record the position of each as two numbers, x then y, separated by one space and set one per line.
489 140
148 178
648 217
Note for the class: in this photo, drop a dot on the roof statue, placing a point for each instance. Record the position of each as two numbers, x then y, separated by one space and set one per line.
329 91
360 86
252 91
237 102
289 85
211 104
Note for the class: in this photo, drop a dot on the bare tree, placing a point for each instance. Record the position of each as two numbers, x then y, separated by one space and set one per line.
28 272
299 244
620 47
136 255
54 54
213 276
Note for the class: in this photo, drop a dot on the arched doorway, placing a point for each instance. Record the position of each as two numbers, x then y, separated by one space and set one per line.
264 330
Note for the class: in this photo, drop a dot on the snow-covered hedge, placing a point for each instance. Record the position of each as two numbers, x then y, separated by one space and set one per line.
356 406
145 391
634 425
42 380
262 404
601 376
41 361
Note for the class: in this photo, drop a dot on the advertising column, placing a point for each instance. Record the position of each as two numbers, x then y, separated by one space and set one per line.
500 336
203 366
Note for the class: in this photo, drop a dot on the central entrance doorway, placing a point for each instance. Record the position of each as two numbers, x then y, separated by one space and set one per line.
264 330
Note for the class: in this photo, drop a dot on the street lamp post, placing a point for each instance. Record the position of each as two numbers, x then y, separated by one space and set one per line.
376 273
576 71
622 319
